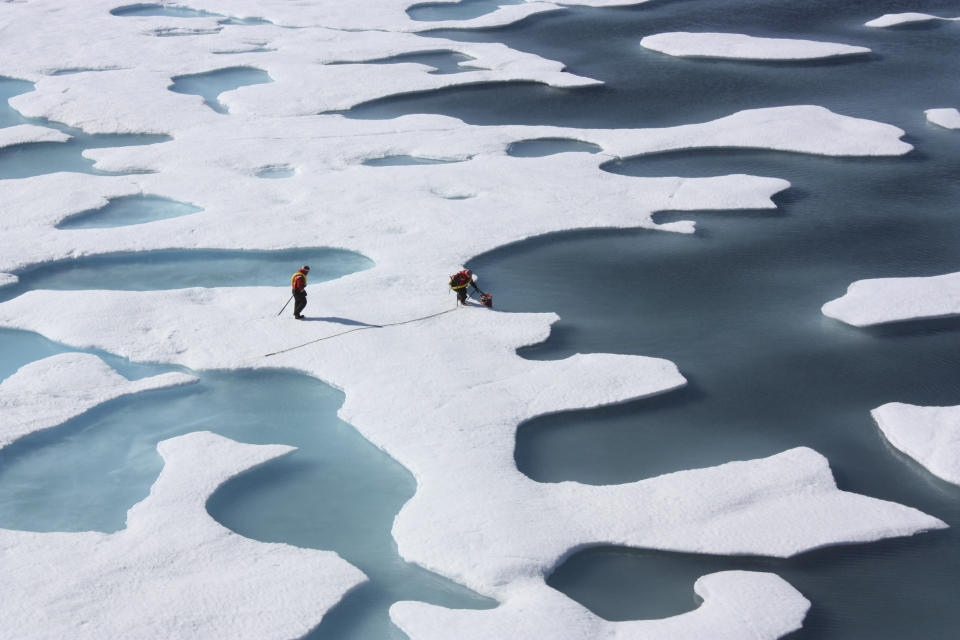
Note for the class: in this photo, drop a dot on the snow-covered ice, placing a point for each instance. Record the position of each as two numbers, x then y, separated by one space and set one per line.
49 392
27 133
471 500
212 168
929 435
743 47
736 605
463 461
897 19
173 571
948 118
880 300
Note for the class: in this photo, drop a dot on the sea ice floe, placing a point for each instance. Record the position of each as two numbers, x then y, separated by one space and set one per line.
736 605
869 302
211 166
444 392
457 438
743 47
912 17
215 170
47 393
948 118
173 572
929 435
8 279
27 133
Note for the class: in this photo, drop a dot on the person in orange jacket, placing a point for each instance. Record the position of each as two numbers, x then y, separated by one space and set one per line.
299 284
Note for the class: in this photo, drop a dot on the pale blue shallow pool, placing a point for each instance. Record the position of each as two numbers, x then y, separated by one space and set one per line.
181 268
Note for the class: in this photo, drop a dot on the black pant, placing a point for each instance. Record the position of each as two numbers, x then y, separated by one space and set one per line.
300 301
462 295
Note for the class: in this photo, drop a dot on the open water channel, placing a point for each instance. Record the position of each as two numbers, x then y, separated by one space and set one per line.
735 305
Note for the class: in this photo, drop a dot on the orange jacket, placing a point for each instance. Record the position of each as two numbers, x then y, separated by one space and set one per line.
299 281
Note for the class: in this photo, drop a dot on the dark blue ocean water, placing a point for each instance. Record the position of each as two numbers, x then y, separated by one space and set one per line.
735 305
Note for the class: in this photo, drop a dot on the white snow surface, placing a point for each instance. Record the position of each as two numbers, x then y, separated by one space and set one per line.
404 385
49 392
897 19
929 435
173 572
27 133
880 300
948 118
743 47
8 279
736 605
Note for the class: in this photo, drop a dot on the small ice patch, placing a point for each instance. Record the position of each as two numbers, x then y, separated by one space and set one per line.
869 302
28 133
929 435
908 18
743 47
947 118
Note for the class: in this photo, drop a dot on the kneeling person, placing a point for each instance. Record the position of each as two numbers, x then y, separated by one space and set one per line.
459 283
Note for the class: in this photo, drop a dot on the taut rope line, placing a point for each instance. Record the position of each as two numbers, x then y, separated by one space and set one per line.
372 326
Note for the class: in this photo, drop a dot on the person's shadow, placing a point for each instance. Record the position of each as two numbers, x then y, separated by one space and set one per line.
346 321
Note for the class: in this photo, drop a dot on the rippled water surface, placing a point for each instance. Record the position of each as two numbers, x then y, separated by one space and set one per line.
737 305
